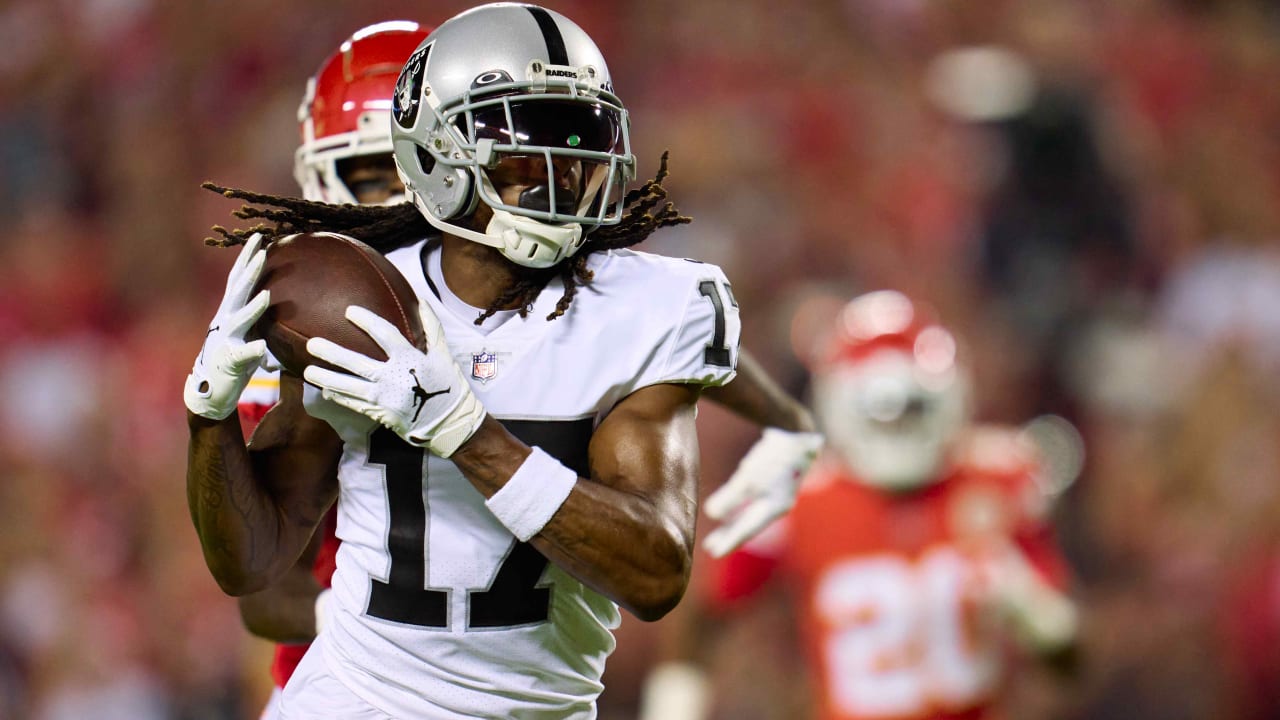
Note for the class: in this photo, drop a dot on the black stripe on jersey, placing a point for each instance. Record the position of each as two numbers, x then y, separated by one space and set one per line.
556 52
514 598
564 440
404 598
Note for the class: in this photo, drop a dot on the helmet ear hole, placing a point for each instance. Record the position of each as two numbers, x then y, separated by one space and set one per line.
426 163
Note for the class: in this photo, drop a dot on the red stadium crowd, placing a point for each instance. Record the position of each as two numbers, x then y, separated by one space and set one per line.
1086 191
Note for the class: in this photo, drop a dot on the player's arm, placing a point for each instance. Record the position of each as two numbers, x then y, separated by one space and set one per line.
754 396
678 686
1043 616
1025 566
627 531
1048 619
765 483
761 490
286 611
255 508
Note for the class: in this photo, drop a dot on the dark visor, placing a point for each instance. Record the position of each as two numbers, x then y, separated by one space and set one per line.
551 123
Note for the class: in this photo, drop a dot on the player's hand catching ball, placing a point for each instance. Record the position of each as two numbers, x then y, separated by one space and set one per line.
226 361
762 489
422 397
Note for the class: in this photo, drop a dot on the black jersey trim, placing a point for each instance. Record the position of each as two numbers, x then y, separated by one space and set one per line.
427 247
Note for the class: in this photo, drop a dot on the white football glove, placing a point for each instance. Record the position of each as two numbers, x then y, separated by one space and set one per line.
226 361
422 397
762 489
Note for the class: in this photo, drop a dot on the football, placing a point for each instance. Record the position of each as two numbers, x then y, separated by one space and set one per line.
313 277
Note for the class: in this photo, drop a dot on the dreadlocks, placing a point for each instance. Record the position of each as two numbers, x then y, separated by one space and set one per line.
386 228
382 227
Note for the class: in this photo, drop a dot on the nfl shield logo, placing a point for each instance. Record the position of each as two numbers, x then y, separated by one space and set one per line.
484 365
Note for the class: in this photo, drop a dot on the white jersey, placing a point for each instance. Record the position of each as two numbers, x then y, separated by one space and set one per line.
437 611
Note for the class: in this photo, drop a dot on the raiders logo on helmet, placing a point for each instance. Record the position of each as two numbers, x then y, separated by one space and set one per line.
409 88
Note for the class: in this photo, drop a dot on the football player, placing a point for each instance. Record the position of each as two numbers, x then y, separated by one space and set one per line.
345 157
916 550
594 461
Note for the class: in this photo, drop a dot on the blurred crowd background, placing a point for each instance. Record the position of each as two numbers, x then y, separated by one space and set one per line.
1086 190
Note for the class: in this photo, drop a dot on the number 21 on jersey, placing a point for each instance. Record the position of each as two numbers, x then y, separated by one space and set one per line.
902 639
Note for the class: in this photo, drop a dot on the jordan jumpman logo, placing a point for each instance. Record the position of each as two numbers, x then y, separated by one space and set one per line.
420 394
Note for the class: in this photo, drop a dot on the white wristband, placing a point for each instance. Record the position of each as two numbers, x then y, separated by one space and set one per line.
322 606
533 494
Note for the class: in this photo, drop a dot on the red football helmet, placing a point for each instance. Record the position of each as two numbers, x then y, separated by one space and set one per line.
346 111
889 392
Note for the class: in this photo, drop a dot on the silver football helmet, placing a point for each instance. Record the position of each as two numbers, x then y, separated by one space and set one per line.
510 79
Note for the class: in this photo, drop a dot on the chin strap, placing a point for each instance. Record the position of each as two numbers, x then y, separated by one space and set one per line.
533 243
523 241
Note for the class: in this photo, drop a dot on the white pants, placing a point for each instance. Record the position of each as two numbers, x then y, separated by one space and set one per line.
315 694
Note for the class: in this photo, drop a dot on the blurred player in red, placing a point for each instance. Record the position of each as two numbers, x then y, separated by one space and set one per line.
345 157
916 550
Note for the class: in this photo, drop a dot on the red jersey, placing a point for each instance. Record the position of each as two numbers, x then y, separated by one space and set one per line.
258 398
888 585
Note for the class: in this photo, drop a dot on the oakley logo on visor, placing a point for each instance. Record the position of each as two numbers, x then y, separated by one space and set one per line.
493 77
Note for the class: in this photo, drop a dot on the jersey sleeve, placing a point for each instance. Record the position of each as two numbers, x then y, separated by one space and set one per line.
1039 545
702 348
